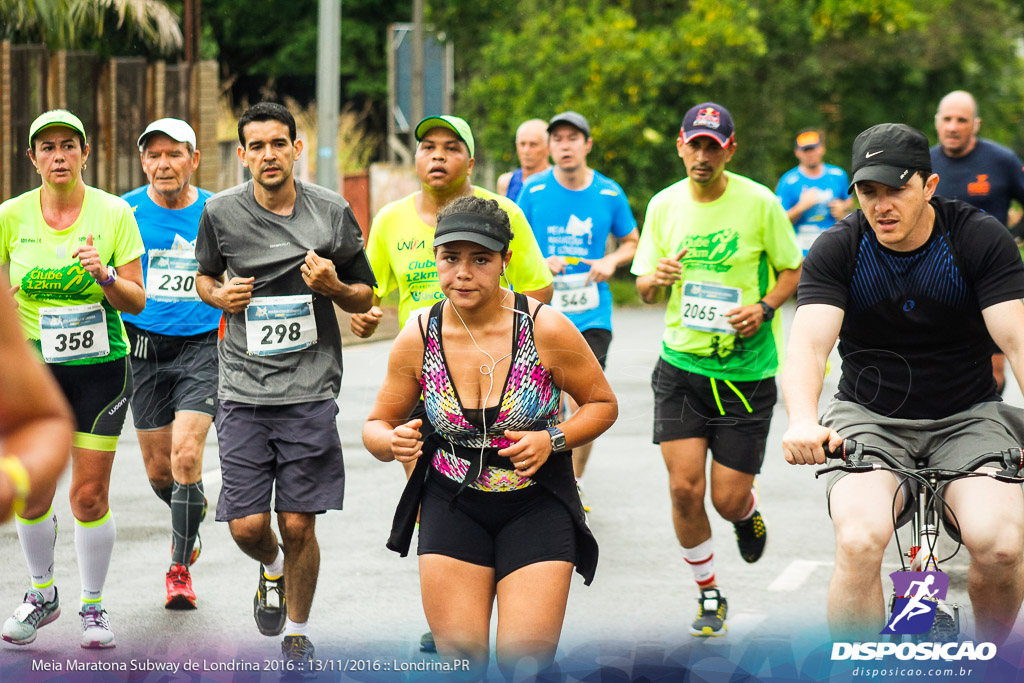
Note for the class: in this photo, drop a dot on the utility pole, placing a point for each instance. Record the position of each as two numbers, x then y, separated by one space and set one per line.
416 106
328 97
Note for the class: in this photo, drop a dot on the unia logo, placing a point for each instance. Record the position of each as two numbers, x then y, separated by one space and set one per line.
711 251
917 593
69 282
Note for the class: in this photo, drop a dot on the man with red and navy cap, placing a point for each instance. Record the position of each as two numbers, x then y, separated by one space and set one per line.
723 249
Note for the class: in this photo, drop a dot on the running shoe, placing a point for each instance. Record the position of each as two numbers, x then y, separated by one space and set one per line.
710 619
179 588
427 643
751 536
268 606
579 491
944 628
298 655
32 614
96 631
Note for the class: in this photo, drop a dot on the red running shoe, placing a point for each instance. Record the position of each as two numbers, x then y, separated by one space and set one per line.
179 588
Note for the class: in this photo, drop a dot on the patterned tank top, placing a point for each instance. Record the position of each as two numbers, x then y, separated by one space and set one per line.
528 400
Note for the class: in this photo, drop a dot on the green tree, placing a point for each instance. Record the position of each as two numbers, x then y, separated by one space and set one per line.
635 66
268 48
94 24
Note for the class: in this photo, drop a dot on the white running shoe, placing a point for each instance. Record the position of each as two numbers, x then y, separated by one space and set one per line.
96 631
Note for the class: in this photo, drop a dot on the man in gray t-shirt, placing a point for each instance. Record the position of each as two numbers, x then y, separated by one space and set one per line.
289 252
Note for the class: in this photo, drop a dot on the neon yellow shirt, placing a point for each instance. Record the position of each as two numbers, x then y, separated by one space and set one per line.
401 254
739 240
40 259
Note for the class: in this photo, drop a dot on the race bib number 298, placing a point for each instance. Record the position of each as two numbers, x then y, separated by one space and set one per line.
279 324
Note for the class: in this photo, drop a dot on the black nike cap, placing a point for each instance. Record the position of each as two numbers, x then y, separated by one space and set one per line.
889 153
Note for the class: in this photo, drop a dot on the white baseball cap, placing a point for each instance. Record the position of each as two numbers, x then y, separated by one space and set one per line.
176 129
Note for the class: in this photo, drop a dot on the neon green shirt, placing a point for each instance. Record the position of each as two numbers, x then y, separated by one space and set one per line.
401 254
40 259
739 240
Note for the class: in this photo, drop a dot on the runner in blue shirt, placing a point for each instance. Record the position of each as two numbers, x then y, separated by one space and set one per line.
174 343
814 194
573 209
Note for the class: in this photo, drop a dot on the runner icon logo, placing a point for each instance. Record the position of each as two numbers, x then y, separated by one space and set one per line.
917 595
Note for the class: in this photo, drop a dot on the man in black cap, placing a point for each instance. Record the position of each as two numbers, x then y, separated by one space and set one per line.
573 210
912 285
723 249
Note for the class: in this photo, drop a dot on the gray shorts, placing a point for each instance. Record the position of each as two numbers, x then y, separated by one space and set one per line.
172 374
293 449
949 442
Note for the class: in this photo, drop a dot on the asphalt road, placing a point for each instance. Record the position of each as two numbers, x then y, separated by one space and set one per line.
367 612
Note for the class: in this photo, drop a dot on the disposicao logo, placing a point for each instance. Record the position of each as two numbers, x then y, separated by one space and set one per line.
917 593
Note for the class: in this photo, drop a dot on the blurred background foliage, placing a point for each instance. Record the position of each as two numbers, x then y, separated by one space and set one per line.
632 67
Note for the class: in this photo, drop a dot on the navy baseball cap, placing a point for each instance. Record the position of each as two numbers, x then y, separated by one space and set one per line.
710 119
889 153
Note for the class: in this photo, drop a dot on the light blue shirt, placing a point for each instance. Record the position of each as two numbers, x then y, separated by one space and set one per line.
575 224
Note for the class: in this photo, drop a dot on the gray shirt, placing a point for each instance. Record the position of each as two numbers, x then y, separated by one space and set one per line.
243 239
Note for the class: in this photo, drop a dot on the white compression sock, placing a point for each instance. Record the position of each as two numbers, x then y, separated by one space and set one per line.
38 537
94 542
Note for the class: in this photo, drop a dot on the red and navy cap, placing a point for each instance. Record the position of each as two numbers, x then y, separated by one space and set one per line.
710 119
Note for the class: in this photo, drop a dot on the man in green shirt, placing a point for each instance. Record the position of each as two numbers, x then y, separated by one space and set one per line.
399 246
724 249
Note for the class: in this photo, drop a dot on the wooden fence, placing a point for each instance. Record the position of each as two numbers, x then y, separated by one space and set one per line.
115 99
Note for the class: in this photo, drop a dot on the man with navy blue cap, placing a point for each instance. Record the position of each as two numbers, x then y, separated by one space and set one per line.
723 250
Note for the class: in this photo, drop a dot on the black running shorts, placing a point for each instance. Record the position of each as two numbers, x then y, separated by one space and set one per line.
506 531
99 394
734 417
172 374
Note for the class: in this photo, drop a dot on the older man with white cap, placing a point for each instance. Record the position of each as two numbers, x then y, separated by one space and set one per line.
174 343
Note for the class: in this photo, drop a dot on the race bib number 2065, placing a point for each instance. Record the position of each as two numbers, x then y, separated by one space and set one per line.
703 306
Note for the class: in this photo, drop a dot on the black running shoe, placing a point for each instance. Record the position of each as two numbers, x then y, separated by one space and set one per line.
268 606
944 628
711 615
298 656
427 643
751 536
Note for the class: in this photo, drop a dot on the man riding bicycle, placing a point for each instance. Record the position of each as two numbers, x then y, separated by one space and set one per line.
912 285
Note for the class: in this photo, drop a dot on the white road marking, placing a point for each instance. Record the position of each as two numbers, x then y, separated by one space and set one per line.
795 575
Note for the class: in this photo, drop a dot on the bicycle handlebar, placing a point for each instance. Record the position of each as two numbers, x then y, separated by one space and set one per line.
852 454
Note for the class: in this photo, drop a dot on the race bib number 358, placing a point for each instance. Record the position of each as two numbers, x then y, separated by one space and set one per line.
69 333
703 306
279 324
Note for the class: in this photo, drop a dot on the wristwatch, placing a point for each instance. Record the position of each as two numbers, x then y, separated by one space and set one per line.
111 278
769 312
557 439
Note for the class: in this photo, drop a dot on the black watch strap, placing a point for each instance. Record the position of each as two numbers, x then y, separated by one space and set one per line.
769 312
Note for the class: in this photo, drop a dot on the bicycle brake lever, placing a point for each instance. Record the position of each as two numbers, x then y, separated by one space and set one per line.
852 469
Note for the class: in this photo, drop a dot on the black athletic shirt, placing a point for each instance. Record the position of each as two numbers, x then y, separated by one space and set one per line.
988 178
913 341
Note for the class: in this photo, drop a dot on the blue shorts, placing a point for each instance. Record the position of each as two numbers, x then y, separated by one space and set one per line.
291 449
